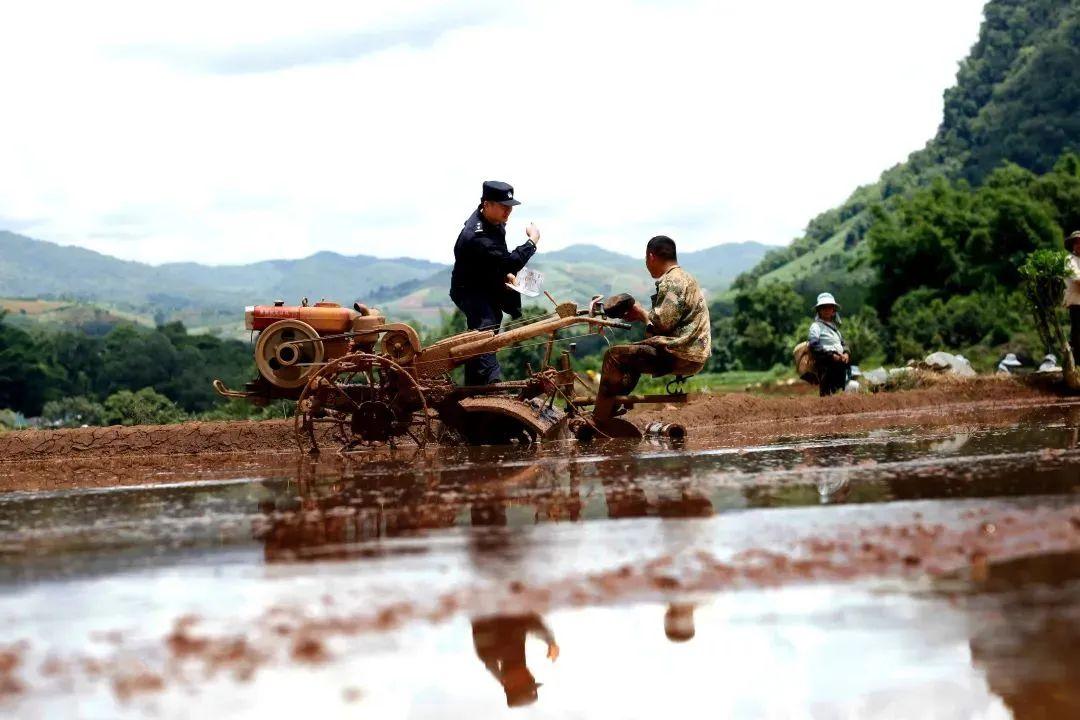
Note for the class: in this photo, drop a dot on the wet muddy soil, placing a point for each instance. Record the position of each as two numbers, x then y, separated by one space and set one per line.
710 418
913 563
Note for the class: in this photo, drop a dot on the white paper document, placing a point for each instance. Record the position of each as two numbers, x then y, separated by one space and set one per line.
529 283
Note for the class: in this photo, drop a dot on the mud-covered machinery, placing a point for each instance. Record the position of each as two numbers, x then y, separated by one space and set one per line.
358 379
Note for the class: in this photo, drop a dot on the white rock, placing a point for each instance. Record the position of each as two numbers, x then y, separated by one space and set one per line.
876 377
949 363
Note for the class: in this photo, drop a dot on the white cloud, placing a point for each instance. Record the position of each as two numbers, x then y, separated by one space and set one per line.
229 132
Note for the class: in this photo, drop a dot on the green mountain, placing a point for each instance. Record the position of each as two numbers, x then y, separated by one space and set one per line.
212 297
577 273
37 269
1016 99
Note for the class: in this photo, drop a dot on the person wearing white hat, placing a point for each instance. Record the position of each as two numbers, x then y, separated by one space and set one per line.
831 354
1050 364
1009 361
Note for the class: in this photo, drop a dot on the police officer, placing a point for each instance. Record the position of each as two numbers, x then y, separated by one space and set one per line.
483 266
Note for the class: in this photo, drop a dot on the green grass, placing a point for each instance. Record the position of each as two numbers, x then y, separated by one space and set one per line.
725 382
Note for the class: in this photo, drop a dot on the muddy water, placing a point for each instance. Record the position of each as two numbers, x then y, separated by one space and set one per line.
903 571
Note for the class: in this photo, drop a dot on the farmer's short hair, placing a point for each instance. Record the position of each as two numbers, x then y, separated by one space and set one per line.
662 247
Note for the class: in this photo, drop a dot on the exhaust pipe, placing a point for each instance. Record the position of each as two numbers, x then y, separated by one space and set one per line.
672 431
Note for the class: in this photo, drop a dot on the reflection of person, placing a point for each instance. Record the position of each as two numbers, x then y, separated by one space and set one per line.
1072 293
482 267
679 622
678 333
831 354
1028 649
500 645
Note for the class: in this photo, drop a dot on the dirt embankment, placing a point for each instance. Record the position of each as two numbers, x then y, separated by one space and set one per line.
733 417
740 408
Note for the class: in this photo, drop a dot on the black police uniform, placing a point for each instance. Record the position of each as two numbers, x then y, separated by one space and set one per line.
478 283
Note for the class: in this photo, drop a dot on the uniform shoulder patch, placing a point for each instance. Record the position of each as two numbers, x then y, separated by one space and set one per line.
479 226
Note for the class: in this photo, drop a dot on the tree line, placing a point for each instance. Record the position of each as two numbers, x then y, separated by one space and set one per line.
130 372
939 270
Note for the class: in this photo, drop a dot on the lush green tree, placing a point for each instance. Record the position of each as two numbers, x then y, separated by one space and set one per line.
74 412
864 334
1045 273
200 359
916 245
765 317
922 322
27 378
724 340
79 357
134 358
145 407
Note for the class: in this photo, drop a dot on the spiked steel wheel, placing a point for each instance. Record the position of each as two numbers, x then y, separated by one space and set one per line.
361 399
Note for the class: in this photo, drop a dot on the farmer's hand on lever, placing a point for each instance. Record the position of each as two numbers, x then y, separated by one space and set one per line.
637 313
533 233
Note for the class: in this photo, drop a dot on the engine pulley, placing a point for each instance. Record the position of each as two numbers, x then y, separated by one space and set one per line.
288 353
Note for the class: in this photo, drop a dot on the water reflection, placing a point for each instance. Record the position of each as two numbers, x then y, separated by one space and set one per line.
679 622
499 642
1026 634
320 519
1008 642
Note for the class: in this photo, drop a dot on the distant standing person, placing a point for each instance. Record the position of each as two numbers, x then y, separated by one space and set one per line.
482 267
831 355
1072 293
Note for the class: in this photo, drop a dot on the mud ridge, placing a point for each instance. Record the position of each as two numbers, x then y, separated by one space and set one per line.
715 414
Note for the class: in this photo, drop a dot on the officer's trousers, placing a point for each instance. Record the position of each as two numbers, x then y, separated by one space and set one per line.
480 315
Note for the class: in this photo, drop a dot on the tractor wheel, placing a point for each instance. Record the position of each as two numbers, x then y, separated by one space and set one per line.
361 400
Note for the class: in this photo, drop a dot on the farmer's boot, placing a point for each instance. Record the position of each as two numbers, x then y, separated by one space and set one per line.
614 381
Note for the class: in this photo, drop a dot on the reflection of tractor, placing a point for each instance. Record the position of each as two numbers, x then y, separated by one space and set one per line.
359 379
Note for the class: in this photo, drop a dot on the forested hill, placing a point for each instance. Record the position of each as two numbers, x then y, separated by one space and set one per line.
926 258
210 297
1016 99
37 269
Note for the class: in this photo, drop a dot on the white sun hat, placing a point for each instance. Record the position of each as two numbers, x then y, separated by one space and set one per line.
826 299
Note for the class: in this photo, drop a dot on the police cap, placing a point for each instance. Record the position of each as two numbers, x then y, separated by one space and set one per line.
500 192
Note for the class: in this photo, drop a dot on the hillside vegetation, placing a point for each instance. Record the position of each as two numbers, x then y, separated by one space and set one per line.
212 297
985 186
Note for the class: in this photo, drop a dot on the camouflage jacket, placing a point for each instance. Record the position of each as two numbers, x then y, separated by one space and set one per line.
679 320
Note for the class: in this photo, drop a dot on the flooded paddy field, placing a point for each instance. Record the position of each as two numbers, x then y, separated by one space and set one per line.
918 564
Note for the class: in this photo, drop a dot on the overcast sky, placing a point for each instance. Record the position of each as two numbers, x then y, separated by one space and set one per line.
226 132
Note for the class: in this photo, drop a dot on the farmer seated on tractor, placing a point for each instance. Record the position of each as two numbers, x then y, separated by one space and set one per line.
677 331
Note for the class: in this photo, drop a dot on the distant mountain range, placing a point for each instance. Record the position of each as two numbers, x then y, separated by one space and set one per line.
210 297
580 271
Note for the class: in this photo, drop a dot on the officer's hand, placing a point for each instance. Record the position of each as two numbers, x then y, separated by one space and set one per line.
511 278
533 233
